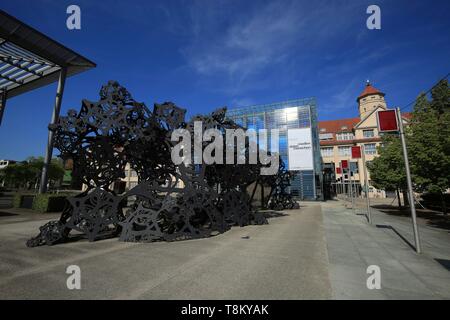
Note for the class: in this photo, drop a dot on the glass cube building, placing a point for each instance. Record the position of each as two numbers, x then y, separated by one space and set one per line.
292 114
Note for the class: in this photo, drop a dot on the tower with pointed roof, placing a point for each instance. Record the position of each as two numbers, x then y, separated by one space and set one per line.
370 99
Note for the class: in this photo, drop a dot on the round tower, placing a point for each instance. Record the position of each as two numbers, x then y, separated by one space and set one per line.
370 99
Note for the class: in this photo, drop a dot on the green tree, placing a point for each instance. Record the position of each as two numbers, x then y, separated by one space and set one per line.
18 175
429 142
27 174
387 171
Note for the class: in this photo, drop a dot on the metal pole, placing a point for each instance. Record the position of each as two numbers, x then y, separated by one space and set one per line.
347 190
408 180
55 117
352 192
355 194
350 183
366 184
3 106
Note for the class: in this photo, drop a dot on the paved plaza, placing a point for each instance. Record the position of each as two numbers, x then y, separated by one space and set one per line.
353 245
320 251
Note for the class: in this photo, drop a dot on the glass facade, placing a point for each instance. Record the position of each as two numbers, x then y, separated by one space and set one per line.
292 114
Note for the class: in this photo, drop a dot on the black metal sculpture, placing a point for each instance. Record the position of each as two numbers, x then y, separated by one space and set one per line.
171 202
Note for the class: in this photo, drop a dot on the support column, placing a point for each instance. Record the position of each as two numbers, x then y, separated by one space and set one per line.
55 117
3 105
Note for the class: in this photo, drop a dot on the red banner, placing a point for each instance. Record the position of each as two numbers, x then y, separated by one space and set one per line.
344 164
338 170
356 152
387 121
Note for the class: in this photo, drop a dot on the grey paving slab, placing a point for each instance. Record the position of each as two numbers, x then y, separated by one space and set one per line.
353 245
321 251
344 290
286 259
395 294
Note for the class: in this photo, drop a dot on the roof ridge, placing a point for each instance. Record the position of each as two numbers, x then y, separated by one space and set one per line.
343 119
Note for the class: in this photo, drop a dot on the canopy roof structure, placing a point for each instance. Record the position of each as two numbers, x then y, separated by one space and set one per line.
30 59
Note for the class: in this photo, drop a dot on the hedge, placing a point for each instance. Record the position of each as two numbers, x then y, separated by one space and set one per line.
434 201
48 202
42 202
17 200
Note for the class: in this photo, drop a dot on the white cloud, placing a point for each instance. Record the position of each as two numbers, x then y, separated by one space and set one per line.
250 43
243 44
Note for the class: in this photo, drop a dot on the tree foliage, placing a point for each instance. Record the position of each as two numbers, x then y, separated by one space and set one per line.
429 141
27 174
387 171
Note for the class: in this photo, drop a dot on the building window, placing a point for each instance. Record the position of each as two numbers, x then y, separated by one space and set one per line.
344 151
370 148
354 167
368 133
325 136
327 152
344 136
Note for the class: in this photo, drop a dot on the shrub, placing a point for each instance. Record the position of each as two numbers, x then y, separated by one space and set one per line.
41 202
434 201
49 202
17 200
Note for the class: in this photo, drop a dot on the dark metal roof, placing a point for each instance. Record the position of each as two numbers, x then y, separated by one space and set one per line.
29 59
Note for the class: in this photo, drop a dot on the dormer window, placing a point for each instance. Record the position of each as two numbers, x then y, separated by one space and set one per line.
344 128
325 136
368 133
345 136
323 130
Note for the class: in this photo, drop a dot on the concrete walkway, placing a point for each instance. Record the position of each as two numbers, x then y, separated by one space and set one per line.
321 251
353 245
286 259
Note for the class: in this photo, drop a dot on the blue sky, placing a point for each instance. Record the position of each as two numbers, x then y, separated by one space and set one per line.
211 53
